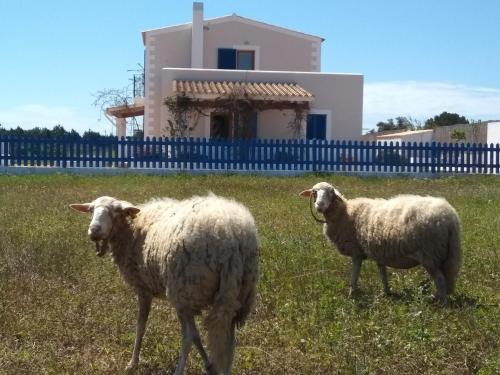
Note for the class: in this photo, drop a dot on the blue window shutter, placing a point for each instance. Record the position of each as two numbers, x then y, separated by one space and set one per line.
321 127
227 58
316 127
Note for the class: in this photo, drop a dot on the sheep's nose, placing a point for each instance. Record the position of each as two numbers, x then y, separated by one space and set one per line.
94 230
320 207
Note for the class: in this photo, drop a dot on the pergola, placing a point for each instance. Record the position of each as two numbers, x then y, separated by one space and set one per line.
268 95
122 112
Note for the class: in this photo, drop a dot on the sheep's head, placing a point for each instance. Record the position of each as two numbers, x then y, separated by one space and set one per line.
105 211
323 194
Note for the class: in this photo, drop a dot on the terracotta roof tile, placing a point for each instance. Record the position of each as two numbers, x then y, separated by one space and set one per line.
259 90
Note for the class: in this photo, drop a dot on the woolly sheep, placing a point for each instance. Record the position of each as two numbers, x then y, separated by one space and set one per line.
200 253
401 232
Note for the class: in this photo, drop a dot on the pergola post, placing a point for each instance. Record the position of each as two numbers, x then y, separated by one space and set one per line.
121 127
121 131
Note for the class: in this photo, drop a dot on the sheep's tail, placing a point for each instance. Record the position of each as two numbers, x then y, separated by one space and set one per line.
233 303
453 262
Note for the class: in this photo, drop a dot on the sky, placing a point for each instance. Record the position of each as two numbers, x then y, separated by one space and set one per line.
418 58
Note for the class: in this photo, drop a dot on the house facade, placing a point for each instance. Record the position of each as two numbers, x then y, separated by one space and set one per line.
487 132
228 62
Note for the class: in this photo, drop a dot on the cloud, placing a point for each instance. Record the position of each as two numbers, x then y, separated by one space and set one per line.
421 100
30 115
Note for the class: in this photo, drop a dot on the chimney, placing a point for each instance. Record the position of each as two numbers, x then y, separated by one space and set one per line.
197 36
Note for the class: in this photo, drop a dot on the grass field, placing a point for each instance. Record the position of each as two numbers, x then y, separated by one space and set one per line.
65 311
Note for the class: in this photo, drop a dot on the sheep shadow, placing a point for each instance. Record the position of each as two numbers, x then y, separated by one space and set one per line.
155 369
460 301
366 299
424 292
362 299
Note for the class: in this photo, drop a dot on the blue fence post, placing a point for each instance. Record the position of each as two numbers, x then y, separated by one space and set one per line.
2 151
433 157
497 158
63 151
263 154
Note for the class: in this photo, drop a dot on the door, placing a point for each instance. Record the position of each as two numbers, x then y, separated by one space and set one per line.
316 126
220 126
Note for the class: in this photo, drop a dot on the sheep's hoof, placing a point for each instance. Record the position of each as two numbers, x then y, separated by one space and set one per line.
440 300
210 370
392 294
353 292
131 367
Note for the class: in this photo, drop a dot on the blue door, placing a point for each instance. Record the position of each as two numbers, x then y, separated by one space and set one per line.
316 127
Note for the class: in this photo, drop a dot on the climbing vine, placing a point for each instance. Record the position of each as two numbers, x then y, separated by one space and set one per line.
185 115
295 124
185 112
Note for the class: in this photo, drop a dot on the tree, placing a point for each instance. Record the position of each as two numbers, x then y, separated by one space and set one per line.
458 135
106 98
400 123
91 135
445 119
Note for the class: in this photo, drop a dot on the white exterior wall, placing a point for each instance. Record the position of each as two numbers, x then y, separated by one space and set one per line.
417 137
493 133
162 49
277 50
340 96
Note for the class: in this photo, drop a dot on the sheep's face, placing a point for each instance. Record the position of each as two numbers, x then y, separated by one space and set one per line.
323 194
105 211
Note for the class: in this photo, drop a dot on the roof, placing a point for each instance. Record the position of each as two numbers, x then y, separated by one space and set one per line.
233 18
127 110
402 134
253 90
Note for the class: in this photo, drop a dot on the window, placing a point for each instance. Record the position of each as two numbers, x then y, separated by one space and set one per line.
316 126
245 60
231 58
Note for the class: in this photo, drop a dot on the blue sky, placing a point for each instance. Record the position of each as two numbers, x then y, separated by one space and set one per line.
419 58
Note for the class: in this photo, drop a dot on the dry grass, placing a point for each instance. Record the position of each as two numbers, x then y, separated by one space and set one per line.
64 311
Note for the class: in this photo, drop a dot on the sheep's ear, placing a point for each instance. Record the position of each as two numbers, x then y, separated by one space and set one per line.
337 193
131 210
305 193
128 208
82 207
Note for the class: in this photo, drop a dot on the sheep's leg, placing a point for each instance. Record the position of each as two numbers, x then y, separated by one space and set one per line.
356 269
144 303
187 342
191 335
440 282
385 280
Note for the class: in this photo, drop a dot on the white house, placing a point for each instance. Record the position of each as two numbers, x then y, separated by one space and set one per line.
487 132
233 58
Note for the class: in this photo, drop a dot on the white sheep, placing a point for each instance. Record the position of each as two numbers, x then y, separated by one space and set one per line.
401 232
200 253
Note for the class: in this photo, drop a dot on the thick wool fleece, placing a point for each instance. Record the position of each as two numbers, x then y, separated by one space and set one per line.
199 253
401 232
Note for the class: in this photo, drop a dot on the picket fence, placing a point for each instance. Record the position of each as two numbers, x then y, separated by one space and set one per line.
250 155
